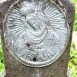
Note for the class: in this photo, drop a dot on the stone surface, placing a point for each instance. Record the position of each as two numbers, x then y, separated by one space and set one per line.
36 33
57 69
2 1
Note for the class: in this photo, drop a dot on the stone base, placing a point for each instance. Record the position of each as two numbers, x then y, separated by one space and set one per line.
4 73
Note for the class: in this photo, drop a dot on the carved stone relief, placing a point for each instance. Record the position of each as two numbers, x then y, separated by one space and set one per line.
36 32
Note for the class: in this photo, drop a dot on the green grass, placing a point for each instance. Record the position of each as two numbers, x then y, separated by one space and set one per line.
73 54
1 59
75 22
73 61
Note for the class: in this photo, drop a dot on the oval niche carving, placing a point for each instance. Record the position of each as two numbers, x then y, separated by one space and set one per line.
36 32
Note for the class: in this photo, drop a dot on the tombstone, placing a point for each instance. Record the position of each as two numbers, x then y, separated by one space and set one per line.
36 37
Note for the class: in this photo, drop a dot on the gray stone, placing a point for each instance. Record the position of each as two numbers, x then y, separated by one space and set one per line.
58 69
36 33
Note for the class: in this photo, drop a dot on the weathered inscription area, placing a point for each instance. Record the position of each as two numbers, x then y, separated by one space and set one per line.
36 32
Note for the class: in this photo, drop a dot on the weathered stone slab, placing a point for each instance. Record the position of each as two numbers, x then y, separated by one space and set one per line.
57 69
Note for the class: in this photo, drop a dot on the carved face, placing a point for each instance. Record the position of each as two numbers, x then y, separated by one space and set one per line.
36 32
34 17
26 8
